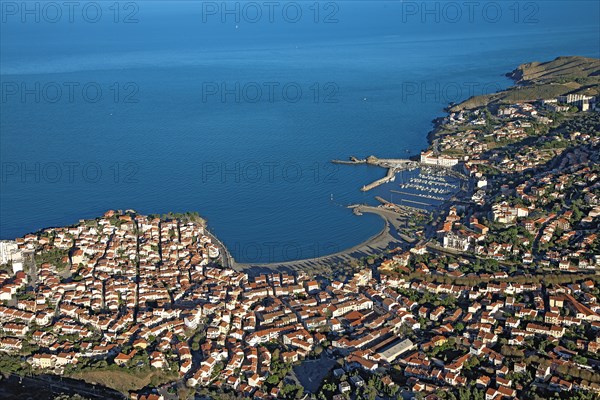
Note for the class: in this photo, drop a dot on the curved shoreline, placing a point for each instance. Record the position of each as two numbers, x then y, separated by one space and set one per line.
373 245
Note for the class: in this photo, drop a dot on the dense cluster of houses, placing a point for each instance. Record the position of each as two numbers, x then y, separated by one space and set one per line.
566 236
475 137
148 285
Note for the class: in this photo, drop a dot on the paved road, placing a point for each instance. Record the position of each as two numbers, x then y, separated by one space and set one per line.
225 256
46 387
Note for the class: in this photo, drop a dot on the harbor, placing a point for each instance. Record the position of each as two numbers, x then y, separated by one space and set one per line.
431 178
425 188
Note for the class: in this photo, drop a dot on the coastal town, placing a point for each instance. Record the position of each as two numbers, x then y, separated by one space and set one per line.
498 298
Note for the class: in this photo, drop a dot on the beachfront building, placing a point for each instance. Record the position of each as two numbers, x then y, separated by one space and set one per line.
429 158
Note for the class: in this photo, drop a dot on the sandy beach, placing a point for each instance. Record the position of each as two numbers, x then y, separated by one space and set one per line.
385 239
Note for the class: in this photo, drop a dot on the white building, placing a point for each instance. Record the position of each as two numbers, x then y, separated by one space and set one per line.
393 351
456 242
9 252
574 98
429 158
579 100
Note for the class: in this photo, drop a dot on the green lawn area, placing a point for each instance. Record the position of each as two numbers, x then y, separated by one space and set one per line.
125 380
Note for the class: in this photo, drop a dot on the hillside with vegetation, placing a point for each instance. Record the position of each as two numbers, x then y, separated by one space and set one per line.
568 68
536 80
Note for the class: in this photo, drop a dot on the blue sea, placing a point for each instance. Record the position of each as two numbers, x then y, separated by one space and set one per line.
235 109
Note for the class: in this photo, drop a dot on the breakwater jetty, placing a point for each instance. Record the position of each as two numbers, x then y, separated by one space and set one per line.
352 161
400 209
393 166
389 177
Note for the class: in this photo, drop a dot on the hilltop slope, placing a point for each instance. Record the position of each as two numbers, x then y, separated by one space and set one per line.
564 75
563 68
